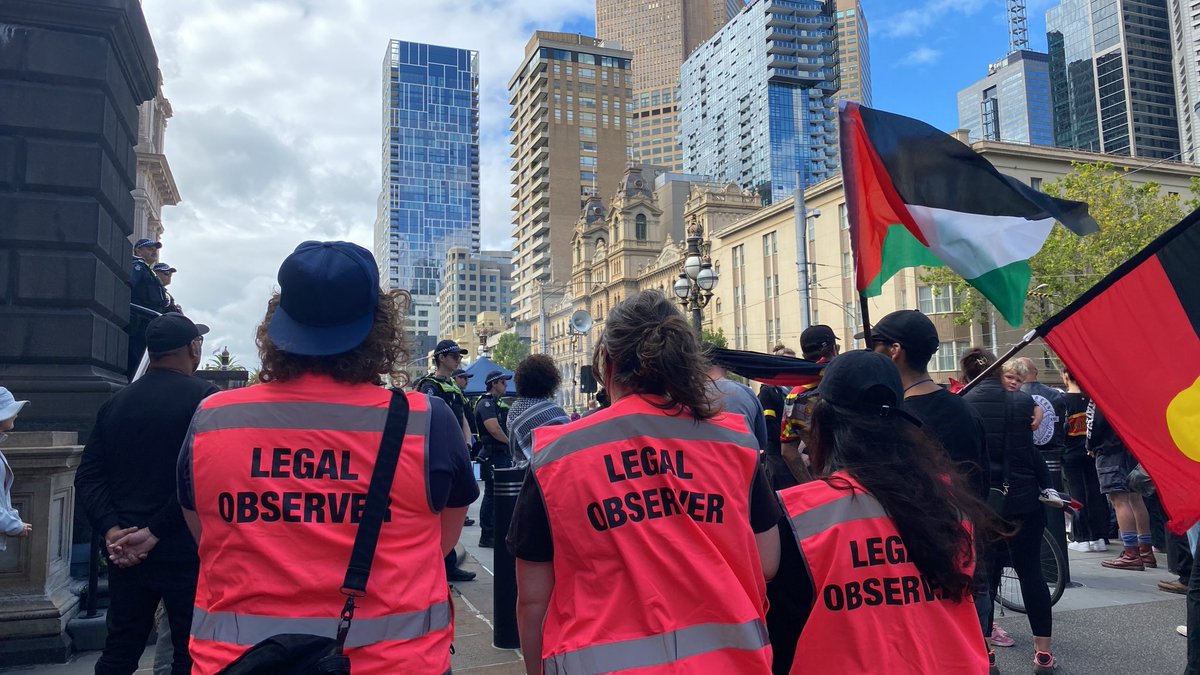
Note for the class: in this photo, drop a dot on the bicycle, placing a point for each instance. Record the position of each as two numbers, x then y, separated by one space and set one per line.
1054 562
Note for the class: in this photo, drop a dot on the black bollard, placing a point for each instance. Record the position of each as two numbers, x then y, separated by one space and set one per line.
507 485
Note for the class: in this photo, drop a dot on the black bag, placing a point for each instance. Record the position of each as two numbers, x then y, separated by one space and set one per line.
299 654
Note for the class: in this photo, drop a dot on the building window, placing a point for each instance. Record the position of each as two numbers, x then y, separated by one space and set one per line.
847 264
944 301
947 356
1035 183
640 227
843 216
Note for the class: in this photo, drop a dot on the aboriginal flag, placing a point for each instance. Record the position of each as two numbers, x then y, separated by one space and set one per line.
1133 344
781 371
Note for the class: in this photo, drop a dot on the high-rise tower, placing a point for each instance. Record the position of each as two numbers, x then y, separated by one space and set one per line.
660 34
570 100
1185 65
430 196
853 52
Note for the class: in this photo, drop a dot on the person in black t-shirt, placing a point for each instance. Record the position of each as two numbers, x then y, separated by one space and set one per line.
1079 469
126 483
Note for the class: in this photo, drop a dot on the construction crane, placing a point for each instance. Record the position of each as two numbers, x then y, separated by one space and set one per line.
1018 29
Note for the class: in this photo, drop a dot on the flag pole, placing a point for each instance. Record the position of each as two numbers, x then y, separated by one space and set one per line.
1029 337
866 318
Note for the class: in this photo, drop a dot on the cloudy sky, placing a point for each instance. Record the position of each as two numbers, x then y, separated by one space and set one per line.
276 133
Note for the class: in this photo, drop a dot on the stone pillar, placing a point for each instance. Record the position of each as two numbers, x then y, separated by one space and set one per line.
36 601
72 73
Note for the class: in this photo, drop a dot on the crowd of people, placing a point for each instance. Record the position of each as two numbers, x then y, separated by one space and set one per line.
684 525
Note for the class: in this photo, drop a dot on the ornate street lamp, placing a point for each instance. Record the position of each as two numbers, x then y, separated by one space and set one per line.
696 282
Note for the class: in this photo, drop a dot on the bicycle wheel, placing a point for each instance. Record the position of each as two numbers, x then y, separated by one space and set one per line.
1053 566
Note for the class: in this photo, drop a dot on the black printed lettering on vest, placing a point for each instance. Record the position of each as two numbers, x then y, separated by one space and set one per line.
655 503
633 503
296 507
303 463
871 595
647 461
878 551
874 591
596 517
834 599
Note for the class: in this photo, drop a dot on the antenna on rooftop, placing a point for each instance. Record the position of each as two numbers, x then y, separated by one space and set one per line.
1018 29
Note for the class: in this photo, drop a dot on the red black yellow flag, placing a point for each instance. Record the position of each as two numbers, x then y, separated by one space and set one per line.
781 371
1133 344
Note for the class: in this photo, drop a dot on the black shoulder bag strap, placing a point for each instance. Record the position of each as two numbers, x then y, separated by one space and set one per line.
359 569
1008 417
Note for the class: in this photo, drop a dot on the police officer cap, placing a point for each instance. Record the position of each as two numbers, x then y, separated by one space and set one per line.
462 373
164 267
170 332
328 293
448 347
864 382
496 375
143 243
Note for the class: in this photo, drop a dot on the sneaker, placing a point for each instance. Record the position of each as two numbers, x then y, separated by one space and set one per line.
1051 498
1182 630
487 542
1126 561
1081 546
1043 663
1000 638
1098 546
468 522
459 574
1173 586
993 669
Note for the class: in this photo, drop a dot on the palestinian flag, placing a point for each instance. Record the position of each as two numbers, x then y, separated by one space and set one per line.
781 371
917 196
1133 344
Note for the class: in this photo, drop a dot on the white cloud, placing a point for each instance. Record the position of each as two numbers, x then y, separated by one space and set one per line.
276 133
921 56
916 21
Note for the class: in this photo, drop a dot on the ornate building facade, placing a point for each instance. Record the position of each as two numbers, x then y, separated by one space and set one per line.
155 187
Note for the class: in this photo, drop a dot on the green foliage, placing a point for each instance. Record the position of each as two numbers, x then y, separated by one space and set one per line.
510 350
716 337
1130 217
223 360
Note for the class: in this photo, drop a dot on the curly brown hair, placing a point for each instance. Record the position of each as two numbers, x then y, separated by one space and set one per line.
651 349
383 353
536 376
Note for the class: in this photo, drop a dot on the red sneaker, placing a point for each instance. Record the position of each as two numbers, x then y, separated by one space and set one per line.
1043 663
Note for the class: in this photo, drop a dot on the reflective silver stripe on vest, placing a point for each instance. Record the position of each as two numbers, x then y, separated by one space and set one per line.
631 426
296 415
250 629
854 506
658 650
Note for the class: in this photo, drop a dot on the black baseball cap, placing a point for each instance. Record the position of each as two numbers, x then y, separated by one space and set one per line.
462 373
448 347
864 382
163 267
142 243
496 375
817 336
912 329
328 293
170 332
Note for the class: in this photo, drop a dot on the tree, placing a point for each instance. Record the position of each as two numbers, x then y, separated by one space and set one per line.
716 338
1130 217
223 360
510 350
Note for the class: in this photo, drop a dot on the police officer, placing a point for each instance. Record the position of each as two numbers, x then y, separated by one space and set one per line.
146 291
463 379
165 274
447 356
491 418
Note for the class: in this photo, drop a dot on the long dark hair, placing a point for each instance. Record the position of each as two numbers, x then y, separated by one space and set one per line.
649 348
383 352
916 483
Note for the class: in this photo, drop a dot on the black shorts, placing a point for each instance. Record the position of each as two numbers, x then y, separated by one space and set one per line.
1113 471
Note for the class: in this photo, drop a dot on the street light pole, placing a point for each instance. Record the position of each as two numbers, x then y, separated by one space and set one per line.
696 282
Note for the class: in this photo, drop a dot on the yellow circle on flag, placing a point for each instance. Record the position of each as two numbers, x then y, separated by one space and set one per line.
1183 421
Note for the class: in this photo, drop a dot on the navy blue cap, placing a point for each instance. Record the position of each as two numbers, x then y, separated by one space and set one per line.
496 375
864 382
171 331
142 243
328 292
448 347
163 267
462 373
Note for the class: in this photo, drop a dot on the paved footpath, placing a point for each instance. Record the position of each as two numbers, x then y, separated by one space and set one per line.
1113 621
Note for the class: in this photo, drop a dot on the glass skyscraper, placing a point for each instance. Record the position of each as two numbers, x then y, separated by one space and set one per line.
758 106
430 196
1110 77
1012 103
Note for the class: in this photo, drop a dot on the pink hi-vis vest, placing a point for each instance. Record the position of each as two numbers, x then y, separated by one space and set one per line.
655 564
873 612
281 472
